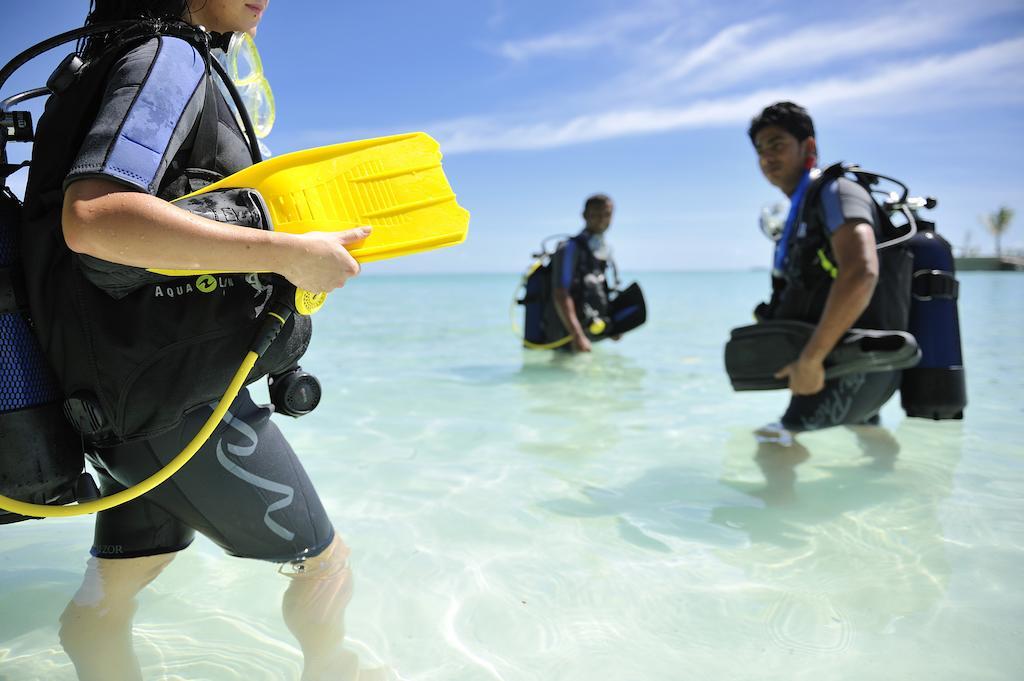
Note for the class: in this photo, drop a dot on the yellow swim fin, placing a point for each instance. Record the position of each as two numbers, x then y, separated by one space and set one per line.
394 184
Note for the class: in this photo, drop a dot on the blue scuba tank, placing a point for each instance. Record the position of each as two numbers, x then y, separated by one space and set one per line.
536 295
936 387
41 456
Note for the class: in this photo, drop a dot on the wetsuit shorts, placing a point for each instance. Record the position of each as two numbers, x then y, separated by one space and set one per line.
850 400
244 489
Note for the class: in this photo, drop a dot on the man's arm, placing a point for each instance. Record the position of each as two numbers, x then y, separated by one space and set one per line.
853 244
566 308
563 273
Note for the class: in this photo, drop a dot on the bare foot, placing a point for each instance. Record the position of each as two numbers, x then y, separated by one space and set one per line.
774 433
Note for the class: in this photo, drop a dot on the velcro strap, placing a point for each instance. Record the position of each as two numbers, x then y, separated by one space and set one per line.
929 284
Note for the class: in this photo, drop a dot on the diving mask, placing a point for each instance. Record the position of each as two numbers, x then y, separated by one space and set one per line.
244 66
598 246
773 220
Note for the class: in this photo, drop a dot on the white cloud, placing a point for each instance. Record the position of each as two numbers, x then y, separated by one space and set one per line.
673 74
601 32
776 49
992 71
820 44
725 43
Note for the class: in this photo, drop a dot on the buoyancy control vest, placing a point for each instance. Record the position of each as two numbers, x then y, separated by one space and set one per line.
800 290
133 366
588 286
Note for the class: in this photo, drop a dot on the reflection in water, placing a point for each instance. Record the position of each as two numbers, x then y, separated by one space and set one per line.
778 462
839 546
664 504
581 401
838 535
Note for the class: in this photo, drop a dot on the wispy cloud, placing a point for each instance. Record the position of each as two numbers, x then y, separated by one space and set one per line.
724 44
672 70
776 50
741 61
602 32
991 71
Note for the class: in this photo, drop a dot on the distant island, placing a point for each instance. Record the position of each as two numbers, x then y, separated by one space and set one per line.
1004 263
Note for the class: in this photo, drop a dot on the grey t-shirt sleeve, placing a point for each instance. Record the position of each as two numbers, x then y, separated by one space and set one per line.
844 200
153 98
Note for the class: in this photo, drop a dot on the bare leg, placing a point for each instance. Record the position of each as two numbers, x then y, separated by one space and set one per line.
314 610
878 444
96 626
778 464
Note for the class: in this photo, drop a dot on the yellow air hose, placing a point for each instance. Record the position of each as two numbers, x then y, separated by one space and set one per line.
275 322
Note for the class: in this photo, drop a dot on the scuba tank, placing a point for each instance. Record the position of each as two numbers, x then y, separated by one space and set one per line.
41 457
936 387
542 330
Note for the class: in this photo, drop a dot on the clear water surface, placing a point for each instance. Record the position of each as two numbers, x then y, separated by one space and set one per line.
600 518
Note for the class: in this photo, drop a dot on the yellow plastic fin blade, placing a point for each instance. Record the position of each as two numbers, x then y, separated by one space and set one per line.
394 184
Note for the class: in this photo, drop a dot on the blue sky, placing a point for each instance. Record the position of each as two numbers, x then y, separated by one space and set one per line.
539 104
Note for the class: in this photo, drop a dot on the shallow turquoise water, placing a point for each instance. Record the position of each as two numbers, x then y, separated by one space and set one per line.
600 518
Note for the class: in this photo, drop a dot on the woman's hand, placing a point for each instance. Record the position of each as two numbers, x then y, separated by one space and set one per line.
320 261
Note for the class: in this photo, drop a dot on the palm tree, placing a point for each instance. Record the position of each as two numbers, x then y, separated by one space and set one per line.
997 223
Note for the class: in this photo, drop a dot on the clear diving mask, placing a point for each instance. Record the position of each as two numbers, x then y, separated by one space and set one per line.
245 68
773 219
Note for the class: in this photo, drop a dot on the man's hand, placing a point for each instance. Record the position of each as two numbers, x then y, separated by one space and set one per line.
806 376
581 343
857 261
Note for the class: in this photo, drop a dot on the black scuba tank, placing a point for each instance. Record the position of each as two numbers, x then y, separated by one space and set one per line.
41 457
935 388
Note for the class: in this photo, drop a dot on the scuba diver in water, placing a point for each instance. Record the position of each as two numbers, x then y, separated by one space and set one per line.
579 267
828 273
567 298
136 119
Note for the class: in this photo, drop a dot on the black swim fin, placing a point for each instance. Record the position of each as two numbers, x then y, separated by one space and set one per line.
754 353
626 311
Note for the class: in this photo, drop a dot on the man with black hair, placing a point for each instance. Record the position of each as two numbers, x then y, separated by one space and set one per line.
826 272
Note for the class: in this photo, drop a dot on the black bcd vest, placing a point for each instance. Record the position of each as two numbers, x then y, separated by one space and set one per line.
800 293
162 350
591 296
